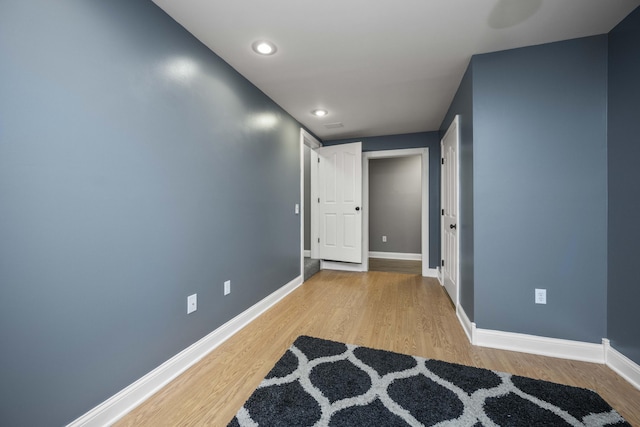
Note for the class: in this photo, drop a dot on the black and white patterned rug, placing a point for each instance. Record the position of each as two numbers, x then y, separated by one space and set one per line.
326 383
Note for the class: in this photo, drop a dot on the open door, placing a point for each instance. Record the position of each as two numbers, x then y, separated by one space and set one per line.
449 205
339 202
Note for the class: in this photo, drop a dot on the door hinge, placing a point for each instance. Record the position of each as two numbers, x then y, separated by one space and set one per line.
318 240
318 199
442 262
318 159
442 161
442 212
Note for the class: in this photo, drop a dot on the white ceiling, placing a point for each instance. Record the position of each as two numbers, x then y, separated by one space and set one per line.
380 67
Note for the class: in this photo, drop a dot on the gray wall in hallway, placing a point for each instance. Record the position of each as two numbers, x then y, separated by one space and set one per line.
395 204
414 140
462 105
135 170
624 175
540 189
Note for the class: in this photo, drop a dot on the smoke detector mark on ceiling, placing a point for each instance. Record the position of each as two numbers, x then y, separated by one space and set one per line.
334 125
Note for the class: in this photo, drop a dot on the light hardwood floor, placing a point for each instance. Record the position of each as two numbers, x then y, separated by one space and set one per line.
395 265
397 312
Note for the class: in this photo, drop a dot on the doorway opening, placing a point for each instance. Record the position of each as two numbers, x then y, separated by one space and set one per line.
310 263
423 255
394 214
397 261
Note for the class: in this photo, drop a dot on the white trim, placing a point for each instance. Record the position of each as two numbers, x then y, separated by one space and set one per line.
565 349
383 154
467 325
365 211
306 139
396 255
341 266
309 140
622 365
554 347
118 405
306 253
430 272
315 214
424 242
301 218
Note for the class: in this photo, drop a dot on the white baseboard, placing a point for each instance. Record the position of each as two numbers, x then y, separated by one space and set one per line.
430 272
307 253
341 266
554 347
564 349
468 326
396 255
622 365
117 406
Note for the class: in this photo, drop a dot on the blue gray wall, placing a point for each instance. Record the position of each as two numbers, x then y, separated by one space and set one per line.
533 196
414 140
136 168
540 189
624 179
462 105
395 204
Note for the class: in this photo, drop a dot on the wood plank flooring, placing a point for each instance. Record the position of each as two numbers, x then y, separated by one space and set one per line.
397 312
395 265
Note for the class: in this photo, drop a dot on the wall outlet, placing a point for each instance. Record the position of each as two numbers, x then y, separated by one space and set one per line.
192 303
296 210
541 296
227 287
384 239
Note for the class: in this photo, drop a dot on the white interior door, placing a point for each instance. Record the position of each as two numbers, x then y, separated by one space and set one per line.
449 205
340 198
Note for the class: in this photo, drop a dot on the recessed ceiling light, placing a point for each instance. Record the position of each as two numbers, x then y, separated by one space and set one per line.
319 112
264 47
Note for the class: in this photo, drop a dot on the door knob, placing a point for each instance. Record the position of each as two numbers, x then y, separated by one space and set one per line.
453 226
357 208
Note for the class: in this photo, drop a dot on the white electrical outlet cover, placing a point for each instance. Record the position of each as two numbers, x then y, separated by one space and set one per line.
227 287
541 296
192 303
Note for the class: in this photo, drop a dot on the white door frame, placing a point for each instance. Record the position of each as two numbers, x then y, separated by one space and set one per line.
385 154
307 139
